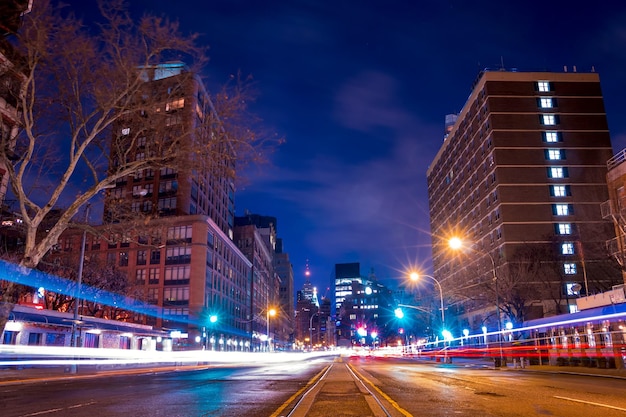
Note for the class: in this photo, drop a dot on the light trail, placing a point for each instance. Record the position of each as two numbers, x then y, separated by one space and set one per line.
11 355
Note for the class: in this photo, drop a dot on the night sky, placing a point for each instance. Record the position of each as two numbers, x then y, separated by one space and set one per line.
360 89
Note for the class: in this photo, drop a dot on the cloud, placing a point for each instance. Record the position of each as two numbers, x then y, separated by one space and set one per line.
369 101
373 207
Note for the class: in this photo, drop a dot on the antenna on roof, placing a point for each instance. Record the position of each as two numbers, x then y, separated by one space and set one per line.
501 63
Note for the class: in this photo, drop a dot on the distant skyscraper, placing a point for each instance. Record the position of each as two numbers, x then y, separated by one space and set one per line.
345 274
308 290
520 179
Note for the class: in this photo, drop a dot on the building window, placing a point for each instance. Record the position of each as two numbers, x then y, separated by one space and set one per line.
167 203
560 190
552 137
179 233
167 172
567 248
557 172
546 103
543 86
561 209
140 276
176 294
572 289
177 273
153 275
555 154
123 258
141 257
174 104
178 255
564 228
548 119
155 257
569 268
168 186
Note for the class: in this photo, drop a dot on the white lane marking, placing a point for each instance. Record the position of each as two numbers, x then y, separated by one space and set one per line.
81 405
590 403
52 410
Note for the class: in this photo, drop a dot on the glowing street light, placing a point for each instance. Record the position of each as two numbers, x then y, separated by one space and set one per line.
456 243
271 312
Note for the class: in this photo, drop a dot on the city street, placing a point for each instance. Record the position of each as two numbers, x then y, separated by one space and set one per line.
413 388
217 391
475 390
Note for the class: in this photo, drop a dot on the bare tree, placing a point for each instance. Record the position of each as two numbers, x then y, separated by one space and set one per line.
78 84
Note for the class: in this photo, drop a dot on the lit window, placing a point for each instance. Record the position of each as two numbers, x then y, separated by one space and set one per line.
557 172
555 154
569 268
175 104
573 289
567 248
543 86
564 228
561 209
546 103
126 131
551 137
548 119
560 191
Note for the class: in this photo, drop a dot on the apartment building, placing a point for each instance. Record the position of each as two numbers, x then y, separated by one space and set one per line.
519 179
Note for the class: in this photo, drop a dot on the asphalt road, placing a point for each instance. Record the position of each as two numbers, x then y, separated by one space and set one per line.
237 391
417 389
446 390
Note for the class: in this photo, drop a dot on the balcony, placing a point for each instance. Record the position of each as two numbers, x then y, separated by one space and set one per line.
606 209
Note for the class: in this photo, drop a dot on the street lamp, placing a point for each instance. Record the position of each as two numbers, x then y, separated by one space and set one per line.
270 313
415 277
456 243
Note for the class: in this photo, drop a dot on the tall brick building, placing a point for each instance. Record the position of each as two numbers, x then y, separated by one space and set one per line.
520 178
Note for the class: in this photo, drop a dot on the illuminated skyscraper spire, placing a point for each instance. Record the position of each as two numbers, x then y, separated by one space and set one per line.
309 291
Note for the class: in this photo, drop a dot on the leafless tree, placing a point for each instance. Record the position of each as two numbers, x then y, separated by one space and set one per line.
77 84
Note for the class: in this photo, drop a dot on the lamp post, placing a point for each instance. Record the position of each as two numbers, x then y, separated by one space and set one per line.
81 263
77 295
456 243
270 313
445 334
415 277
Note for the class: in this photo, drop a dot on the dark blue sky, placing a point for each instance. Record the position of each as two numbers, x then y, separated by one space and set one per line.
360 90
